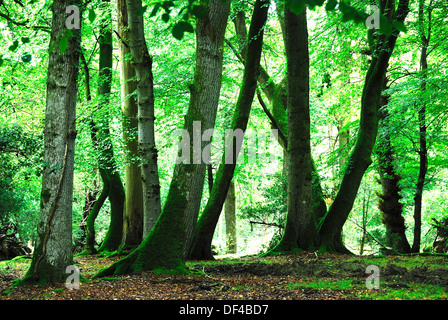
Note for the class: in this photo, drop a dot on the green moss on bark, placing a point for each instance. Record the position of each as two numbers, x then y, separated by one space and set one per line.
161 249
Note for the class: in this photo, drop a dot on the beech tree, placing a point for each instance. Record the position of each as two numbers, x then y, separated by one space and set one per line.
53 248
201 246
133 213
166 245
331 230
374 112
300 228
145 101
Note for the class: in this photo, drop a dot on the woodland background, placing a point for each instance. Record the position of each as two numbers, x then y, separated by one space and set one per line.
339 53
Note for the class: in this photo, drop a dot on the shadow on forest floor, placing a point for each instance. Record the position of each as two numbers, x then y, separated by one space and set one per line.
301 276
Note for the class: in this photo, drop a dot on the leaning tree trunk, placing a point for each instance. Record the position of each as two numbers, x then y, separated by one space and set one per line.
360 158
53 248
201 246
389 199
133 213
276 94
165 245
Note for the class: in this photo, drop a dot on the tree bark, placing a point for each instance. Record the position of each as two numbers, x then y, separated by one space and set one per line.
146 117
230 217
165 245
389 200
300 229
360 158
107 163
277 96
423 149
133 213
201 246
53 247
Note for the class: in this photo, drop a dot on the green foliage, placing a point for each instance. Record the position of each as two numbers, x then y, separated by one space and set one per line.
20 155
339 52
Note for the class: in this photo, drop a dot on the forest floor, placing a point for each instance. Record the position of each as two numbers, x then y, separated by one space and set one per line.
301 276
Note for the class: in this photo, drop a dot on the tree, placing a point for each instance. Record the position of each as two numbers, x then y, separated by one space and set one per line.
425 37
145 101
300 228
360 159
230 217
201 245
102 143
116 195
389 200
133 213
53 248
165 246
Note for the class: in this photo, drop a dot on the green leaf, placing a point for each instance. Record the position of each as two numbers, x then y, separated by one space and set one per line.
25 40
199 11
348 12
63 44
181 27
314 3
14 45
141 11
331 5
385 26
167 5
1 61
165 17
26 58
68 33
92 15
155 10
399 26
296 6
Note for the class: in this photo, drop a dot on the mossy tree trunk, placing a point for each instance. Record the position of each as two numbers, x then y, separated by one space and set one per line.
165 246
360 158
133 213
277 96
300 228
142 62
389 200
201 246
53 248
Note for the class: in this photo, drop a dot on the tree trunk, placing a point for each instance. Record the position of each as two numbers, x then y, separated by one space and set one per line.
110 178
116 195
300 229
53 248
360 158
133 213
423 151
145 100
165 245
389 203
230 216
276 95
201 246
